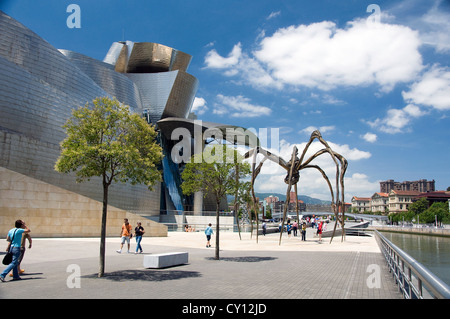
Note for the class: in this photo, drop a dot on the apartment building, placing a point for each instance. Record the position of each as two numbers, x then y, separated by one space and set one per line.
399 201
421 185
362 204
379 202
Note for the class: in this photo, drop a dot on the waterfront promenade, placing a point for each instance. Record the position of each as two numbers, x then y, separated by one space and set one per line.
353 269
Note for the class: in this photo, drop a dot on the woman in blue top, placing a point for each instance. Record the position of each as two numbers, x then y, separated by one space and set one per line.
208 232
15 241
289 228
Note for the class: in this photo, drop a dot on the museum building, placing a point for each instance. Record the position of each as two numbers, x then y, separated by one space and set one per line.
39 87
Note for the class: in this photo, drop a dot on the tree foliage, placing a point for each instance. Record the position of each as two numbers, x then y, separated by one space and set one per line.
418 207
217 171
437 211
420 212
107 140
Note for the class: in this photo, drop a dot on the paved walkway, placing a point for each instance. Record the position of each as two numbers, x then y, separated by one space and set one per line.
351 269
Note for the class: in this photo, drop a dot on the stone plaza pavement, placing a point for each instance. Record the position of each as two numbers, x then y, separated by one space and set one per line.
67 268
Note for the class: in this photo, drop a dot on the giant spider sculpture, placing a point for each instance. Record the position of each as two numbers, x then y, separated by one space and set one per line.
293 168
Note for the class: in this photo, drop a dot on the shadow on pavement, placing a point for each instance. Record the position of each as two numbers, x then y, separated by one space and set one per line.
247 259
146 275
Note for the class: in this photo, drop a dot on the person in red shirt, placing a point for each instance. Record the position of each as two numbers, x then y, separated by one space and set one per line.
125 235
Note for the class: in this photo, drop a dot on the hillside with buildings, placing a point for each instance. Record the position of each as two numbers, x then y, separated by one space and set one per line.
306 199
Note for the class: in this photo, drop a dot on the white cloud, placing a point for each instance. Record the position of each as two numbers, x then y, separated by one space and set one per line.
199 106
324 56
434 28
323 129
369 137
396 120
359 185
237 63
271 178
239 106
321 55
215 61
273 15
326 99
433 89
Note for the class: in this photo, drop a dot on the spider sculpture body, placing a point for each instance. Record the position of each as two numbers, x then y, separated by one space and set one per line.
293 168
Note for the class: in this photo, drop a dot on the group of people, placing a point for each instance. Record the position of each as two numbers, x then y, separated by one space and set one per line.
18 236
16 239
295 227
126 234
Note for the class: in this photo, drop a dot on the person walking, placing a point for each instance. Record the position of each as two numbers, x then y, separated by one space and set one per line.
138 233
15 241
304 231
319 230
289 229
294 228
264 228
25 237
125 235
208 233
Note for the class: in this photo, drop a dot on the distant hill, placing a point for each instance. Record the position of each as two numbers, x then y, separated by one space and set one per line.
304 198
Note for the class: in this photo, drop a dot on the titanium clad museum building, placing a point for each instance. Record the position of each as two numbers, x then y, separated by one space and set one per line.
39 87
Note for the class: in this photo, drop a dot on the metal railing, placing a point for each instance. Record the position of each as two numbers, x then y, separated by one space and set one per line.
196 227
413 279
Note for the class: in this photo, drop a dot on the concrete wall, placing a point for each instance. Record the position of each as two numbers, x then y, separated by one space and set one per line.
50 211
410 230
198 222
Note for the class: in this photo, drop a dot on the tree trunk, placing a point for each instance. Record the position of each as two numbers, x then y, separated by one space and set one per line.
236 204
101 271
217 232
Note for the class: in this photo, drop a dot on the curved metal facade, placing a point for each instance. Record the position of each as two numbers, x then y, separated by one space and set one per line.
146 57
40 85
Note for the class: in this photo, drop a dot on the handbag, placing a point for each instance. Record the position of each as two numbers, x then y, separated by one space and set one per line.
9 256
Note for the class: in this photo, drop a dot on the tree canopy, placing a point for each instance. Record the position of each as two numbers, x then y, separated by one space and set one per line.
419 211
218 170
107 140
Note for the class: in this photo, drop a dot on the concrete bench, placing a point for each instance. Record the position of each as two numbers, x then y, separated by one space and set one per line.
165 260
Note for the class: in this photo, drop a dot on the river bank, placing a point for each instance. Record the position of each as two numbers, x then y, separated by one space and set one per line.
430 231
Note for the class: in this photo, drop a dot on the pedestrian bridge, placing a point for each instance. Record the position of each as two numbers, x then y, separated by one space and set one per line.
364 217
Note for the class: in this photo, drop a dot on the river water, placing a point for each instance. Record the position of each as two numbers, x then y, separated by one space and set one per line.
431 251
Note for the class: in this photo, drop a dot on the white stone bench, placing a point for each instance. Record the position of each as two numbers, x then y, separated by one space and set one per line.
165 260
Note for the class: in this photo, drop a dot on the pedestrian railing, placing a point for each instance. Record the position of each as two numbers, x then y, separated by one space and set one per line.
413 279
196 227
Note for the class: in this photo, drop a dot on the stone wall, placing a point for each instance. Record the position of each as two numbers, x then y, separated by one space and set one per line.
50 211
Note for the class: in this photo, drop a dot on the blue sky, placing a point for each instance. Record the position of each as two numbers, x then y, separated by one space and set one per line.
375 82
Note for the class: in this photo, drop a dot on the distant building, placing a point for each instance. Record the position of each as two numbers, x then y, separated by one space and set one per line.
422 186
362 204
277 207
434 197
400 200
271 199
379 202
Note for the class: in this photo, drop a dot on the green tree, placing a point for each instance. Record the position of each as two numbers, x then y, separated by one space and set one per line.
107 140
437 211
419 206
241 197
215 172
